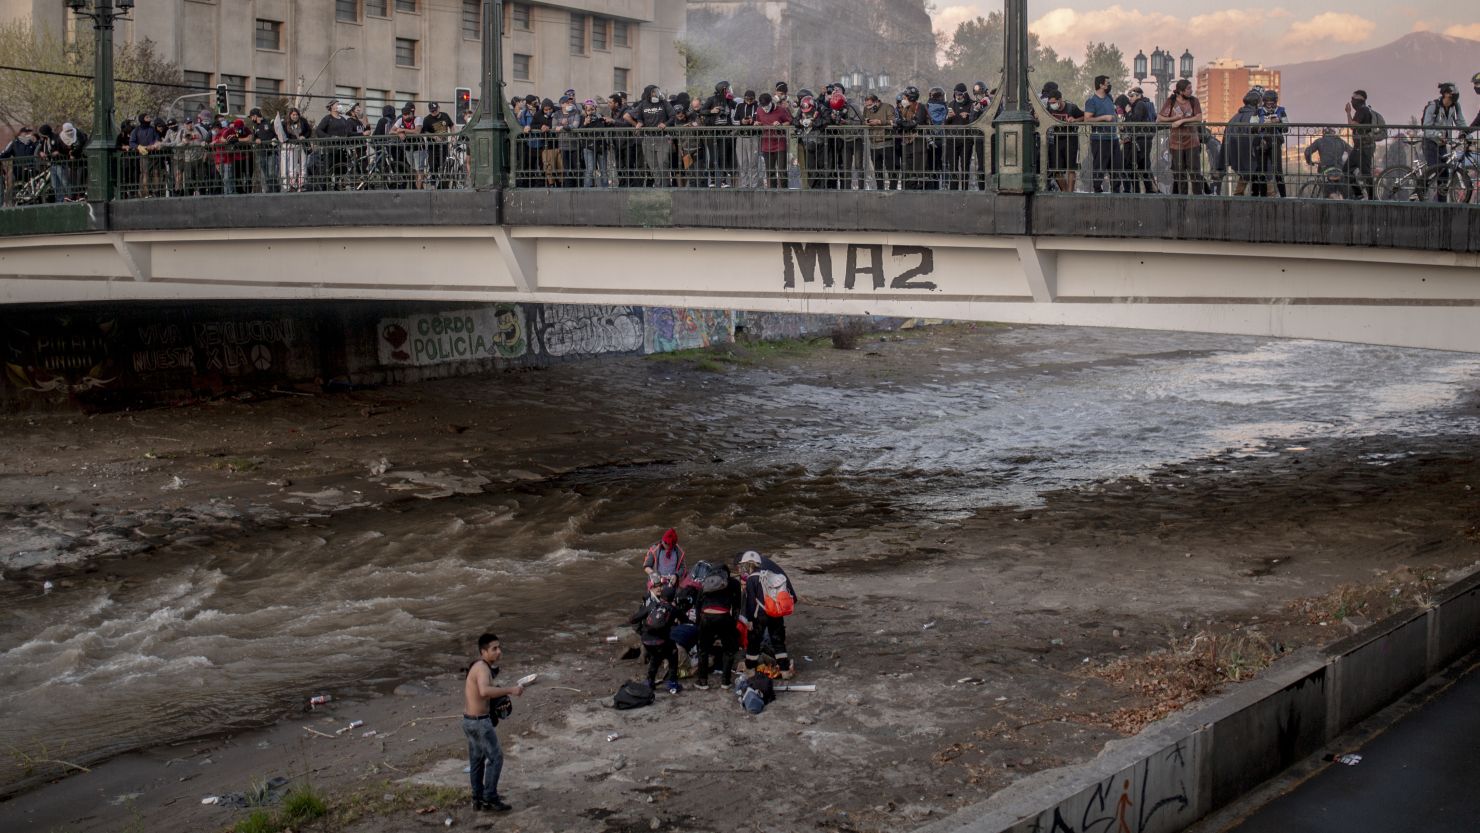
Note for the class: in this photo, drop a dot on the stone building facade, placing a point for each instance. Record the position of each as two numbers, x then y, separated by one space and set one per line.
811 42
391 51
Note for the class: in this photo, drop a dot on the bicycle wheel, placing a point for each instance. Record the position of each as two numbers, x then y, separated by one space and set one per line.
345 178
1450 184
1398 184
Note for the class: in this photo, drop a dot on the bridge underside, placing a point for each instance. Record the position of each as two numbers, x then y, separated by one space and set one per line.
1378 296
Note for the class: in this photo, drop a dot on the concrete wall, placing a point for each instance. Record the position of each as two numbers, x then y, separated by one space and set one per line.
1181 769
111 356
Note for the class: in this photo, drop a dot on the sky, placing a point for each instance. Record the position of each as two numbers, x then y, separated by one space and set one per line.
1270 34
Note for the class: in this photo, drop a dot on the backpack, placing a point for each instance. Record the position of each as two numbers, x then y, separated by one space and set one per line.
1377 131
659 616
777 597
709 578
632 695
755 693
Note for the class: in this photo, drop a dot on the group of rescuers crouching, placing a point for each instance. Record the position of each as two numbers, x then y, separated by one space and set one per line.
705 609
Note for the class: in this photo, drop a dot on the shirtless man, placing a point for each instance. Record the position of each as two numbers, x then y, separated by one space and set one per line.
485 757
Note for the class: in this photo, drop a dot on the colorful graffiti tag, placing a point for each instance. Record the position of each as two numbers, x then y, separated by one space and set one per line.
669 328
496 332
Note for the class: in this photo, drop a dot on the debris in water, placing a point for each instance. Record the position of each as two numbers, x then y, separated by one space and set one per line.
318 700
927 626
211 799
355 724
46 587
379 468
970 681
611 737
1350 759
175 484
369 734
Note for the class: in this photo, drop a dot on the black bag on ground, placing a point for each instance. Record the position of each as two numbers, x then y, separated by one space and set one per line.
632 695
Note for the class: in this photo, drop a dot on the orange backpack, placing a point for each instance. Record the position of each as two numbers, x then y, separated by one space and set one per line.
776 594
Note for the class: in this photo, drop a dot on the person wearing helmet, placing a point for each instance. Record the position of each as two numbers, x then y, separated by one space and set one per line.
756 613
1443 123
981 100
1243 146
1327 154
935 154
845 139
909 117
812 157
718 111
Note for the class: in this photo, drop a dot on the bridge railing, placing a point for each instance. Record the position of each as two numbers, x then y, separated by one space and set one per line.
38 181
361 163
855 158
1312 161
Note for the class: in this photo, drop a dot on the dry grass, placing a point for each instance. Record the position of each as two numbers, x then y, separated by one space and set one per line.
1189 670
1399 589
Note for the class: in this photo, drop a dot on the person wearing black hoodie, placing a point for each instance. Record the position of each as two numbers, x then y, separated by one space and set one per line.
653 117
719 639
1243 146
718 111
960 112
747 144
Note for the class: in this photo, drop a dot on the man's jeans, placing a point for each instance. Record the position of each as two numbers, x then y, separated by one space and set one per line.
485 758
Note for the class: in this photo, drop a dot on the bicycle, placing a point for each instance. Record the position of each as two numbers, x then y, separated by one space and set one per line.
1330 182
1447 180
35 189
371 169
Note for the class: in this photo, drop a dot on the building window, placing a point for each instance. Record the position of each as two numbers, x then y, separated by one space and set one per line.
405 52
267 89
377 8
269 34
521 17
620 35
346 95
406 6
473 19
619 79
577 34
236 92
197 81
347 10
599 28
521 67
375 101
406 97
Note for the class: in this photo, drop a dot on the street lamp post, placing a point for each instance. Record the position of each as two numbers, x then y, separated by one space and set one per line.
1017 163
490 134
1185 70
99 162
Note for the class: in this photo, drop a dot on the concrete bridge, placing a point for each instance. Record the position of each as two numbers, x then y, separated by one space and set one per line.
1381 273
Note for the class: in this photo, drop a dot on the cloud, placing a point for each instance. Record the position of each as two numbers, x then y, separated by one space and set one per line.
1329 27
1268 34
1464 30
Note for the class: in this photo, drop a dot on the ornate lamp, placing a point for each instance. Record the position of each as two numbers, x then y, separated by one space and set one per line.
1140 66
1186 68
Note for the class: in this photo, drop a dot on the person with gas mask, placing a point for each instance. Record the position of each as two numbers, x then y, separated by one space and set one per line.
981 103
845 140
1274 119
811 124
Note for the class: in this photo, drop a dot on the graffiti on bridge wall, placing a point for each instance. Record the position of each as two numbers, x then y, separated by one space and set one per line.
671 328
59 356
496 332
224 348
1151 797
908 265
589 329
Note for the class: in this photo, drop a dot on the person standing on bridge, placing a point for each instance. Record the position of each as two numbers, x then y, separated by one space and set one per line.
1366 133
1184 113
773 142
654 115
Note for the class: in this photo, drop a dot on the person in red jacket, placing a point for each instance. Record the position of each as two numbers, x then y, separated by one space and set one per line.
227 140
773 142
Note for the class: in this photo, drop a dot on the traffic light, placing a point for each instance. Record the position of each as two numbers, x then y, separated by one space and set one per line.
222 105
464 98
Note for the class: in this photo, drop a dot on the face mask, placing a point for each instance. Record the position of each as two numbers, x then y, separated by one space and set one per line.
569 109
1359 102
654 99
1056 106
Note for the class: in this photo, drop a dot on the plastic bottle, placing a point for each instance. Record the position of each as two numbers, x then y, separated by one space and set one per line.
319 700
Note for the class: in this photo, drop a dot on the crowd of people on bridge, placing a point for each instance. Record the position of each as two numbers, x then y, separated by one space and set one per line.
823 139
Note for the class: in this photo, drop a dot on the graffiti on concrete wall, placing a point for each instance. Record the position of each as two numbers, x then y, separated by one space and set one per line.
589 329
496 332
1151 797
61 355
865 266
222 348
671 328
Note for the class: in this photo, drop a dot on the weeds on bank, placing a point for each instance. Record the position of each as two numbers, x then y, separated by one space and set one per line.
1400 589
385 798
718 358
301 806
1187 671
31 760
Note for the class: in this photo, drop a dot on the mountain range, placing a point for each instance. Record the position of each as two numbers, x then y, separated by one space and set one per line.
1399 77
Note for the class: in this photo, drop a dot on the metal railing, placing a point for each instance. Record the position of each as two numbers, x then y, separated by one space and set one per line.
1269 159
39 181
854 158
230 167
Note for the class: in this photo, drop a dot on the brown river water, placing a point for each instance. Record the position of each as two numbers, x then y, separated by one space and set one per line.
574 471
